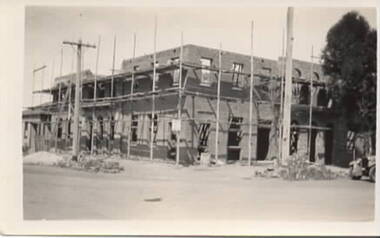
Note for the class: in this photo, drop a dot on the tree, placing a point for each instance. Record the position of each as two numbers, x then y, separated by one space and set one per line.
349 58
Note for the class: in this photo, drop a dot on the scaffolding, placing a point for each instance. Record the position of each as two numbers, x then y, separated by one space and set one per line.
181 90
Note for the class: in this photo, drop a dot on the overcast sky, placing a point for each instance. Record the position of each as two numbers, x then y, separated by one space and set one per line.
47 27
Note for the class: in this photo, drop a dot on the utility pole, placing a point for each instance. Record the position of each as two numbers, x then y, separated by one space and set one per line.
79 46
288 87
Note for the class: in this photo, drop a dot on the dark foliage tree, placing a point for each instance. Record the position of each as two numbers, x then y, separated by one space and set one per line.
349 58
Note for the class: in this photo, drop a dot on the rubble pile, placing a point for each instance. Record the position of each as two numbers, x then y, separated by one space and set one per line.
93 163
299 168
42 158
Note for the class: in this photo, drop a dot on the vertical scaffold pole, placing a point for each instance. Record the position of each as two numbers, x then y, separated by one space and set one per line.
288 87
95 92
69 106
60 74
310 104
33 78
179 99
113 67
250 102
59 103
132 85
218 104
282 69
42 85
153 90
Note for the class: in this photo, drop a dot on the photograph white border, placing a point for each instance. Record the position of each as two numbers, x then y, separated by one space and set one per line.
12 24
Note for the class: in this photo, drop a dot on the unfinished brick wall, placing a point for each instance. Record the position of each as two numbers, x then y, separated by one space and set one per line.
200 104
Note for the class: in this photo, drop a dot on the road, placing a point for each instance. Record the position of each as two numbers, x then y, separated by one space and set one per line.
147 190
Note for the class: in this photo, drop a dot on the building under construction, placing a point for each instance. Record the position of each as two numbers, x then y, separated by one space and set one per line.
205 94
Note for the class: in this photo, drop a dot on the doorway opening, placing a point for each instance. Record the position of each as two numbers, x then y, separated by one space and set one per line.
234 137
262 142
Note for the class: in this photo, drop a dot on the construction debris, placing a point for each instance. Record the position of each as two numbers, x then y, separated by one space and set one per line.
299 168
42 158
93 163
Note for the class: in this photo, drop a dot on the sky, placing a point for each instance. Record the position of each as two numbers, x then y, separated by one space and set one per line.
47 27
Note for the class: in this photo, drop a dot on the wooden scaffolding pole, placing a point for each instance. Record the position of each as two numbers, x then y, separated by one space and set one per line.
288 87
59 103
218 105
70 87
42 85
282 69
113 66
132 85
250 102
112 94
33 78
179 100
95 92
310 104
52 134
60 74
153 89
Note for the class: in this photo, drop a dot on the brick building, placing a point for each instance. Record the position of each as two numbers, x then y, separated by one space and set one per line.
123 120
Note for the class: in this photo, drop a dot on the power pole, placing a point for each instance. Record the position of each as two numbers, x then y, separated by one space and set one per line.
79 46
288 87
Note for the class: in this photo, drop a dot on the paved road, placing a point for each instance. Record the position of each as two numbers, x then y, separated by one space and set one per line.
160 191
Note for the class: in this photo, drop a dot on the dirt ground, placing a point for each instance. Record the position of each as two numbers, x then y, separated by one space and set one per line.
148 190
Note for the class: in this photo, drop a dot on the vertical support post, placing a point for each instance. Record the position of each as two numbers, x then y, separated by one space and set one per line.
250 102
310 104
282 69
70 88
179 100
59 103
288 86
218 105
153 90
76 103
51 77
132 85
95 92
33 79
113 66
60 74
112 94
79 46
42 84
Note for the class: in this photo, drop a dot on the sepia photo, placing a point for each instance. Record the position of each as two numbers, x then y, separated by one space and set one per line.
170 114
